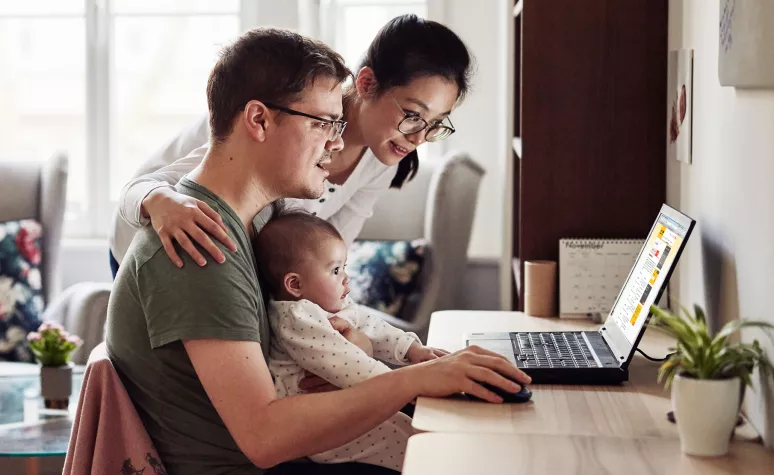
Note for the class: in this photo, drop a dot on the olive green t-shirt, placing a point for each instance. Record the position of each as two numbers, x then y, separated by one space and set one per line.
153 307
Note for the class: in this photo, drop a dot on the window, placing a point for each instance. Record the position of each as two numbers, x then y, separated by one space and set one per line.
109 81
350 25
106 81
43 84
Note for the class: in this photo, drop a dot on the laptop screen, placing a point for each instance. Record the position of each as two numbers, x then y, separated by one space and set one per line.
646 281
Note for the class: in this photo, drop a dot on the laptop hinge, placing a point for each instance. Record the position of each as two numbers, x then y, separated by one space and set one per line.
613 357
591 347
609 339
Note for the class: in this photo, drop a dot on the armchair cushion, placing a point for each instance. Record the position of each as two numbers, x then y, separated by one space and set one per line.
385 275
21 299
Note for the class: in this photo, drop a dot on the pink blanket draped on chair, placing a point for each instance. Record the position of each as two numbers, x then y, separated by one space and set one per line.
108 435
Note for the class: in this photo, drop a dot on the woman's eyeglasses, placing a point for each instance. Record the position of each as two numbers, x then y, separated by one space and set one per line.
335 127
413 123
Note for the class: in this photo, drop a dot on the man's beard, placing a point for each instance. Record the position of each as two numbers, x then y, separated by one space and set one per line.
326 156
315 193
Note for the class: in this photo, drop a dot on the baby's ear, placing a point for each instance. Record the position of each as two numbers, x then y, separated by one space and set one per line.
292 284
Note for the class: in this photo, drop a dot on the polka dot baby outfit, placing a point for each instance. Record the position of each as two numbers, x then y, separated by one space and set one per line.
303 340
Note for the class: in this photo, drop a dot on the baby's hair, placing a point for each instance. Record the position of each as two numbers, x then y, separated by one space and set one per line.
286 240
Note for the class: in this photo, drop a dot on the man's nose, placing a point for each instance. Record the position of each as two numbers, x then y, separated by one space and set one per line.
335 145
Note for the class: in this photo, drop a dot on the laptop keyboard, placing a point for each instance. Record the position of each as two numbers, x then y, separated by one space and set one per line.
552 350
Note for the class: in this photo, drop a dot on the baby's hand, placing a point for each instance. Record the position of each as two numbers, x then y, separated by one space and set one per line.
355 336
418 353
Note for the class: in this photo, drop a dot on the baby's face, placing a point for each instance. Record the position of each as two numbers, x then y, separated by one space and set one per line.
323 278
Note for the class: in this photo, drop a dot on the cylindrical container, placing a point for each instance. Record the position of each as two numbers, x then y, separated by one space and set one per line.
56 384
540 288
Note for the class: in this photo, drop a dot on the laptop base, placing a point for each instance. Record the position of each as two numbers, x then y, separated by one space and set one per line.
575 376
610 373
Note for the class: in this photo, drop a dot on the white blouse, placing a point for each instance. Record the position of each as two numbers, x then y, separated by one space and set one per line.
345 206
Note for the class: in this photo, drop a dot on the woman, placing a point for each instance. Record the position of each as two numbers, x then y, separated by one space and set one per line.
415 71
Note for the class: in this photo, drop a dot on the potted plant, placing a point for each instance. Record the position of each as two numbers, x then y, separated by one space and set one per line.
52 347
707 375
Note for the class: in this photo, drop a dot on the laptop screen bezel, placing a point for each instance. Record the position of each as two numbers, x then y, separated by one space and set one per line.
610 331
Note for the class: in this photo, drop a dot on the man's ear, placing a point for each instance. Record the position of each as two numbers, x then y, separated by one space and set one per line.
292 284
257 119
365 83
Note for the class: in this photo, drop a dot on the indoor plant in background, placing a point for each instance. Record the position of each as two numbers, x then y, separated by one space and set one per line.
707 375
52 347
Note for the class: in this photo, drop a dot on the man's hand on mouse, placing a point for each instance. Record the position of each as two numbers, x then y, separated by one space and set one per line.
417 353
466 371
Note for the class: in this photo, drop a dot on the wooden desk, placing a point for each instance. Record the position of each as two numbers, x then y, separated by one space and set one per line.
466 454
636 409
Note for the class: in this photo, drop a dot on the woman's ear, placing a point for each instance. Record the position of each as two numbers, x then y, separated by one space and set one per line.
256 119
292 284
365 83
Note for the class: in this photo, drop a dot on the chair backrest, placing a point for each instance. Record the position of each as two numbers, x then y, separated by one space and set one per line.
399 215
38 190
108 435
438 205
451 208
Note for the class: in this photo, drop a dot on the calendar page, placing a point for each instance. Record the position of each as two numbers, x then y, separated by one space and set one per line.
591 273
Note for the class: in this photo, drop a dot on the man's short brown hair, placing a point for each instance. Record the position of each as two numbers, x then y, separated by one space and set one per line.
269 65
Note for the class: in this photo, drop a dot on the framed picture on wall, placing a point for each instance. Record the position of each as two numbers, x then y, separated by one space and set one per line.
746 36
680 105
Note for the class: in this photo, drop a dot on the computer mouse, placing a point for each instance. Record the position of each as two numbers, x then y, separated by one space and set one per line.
522 396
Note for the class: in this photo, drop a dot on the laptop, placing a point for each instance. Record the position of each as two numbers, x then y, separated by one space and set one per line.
602 356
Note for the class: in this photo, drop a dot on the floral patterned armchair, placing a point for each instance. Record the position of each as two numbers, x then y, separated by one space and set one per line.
37 191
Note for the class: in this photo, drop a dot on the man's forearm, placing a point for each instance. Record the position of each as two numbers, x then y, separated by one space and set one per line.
269 430
304 425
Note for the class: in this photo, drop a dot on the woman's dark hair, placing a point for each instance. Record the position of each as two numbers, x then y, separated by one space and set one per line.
409 47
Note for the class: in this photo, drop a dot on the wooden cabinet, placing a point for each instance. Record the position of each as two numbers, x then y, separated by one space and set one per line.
591 113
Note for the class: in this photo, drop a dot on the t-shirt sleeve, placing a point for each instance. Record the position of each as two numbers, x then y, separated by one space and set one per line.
217 301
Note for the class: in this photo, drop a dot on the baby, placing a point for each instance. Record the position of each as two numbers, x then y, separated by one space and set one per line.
302 260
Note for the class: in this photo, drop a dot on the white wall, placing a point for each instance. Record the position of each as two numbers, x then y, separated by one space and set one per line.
728 263
481 121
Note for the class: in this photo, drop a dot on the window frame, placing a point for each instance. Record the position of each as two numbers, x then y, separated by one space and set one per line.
97 220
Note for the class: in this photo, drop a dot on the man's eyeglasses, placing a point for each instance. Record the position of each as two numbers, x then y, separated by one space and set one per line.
335 127
413 123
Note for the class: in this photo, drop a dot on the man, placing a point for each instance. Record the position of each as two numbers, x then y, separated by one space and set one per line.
191 344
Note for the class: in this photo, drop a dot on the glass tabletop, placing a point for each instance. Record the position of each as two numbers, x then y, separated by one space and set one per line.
27 428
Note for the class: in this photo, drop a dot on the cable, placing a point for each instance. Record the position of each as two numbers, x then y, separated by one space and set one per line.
657 360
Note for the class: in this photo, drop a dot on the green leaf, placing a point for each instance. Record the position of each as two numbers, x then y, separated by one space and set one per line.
700 314
702 356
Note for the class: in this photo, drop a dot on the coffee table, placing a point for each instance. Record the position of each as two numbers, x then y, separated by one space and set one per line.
27 429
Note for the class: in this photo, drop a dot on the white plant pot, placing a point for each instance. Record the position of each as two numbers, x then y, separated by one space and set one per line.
56 385
706 412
